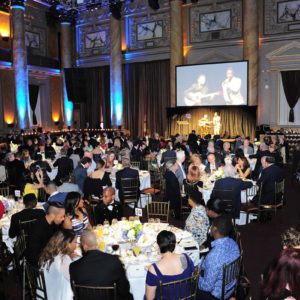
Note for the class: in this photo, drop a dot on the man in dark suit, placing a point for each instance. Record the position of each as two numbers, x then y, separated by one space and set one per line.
80 172
269 175
169 154
172 187
15 169
126 172
97 268
192 141
263 151
235 185
28 213
108 209
212 163
136 153
64 166
43 230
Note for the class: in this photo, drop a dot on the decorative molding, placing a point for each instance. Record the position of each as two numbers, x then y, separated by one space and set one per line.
217 56
215 31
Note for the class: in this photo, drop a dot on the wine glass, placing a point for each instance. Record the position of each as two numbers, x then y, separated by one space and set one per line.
131 218
115 247
151 220
106 223
124 219
157 220
114 221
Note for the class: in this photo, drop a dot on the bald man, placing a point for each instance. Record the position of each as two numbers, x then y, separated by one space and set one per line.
97 268
43 230
109 209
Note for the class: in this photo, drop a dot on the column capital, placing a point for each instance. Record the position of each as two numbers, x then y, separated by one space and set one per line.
17 4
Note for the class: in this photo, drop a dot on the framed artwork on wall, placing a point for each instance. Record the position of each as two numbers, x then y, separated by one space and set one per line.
288 11
149 30
216 21
95 39
32 39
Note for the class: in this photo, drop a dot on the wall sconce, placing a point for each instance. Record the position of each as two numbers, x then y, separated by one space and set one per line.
4 26
55 118
9 120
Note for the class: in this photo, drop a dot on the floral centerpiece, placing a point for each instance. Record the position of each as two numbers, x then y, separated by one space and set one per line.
132 230
219 173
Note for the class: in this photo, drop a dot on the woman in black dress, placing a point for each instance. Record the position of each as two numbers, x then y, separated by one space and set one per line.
96 181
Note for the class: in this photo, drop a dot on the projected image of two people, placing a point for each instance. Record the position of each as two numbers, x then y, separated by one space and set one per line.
212 88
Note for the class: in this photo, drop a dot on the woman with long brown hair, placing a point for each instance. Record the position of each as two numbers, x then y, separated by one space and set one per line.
55 261
283 279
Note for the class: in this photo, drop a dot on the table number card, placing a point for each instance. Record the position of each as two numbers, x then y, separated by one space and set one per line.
138 212
17 193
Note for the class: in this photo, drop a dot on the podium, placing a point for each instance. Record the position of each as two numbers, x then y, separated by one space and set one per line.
181 125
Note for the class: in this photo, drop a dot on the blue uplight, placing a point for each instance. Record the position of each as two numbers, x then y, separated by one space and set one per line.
68 107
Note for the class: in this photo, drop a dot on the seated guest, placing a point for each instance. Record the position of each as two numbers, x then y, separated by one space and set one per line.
55 261
180 173
136 152
43 230
2 210
192 184
263 151
197 222
74 155
269 175
168 154
170 267
15 169
76 215
276 154
154 143
94 183
97 268
67 186
290 238
87 146
239 153
126 172
108 209
282 281
54 195
243 167
80 172
196 160
109 162
40 164
28 213
224 251
49 150
247 149
226 150
235 185
31 187
172 188
92 166
64 166
212 163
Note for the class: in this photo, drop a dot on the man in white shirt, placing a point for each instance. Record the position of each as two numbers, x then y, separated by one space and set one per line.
232 89
180 173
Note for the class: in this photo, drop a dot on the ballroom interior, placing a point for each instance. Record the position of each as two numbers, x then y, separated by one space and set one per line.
75 68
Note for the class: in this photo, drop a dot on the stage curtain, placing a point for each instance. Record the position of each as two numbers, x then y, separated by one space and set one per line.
90 87
290 81
234 121
33 97
146 94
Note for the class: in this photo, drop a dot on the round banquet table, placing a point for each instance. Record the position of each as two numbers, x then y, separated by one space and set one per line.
136 266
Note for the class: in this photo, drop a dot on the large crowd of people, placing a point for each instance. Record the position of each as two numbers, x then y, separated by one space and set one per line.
82 183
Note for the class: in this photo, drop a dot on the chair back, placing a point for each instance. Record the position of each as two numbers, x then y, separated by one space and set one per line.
135 164
130 190
4 191
36 282
227 197
27 225
42 195
250 193
279 191
19 248
230 275
156 179
158 210
184 289
83 292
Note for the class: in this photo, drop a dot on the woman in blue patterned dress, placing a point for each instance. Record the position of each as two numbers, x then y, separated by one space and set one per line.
197 222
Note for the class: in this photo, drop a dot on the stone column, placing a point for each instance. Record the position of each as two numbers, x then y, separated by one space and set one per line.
176 44
116 97
251 47
20 63
66 62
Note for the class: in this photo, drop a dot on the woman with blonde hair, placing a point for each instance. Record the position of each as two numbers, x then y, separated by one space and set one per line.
196 160
55 261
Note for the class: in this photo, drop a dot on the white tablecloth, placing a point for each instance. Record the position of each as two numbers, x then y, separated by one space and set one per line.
136 267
